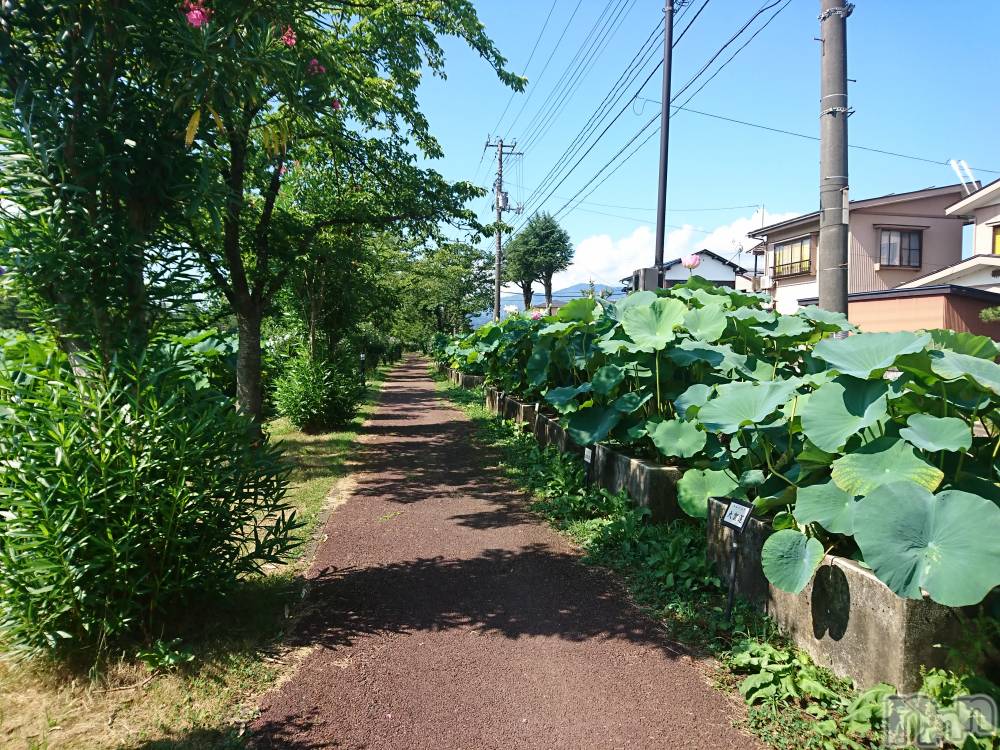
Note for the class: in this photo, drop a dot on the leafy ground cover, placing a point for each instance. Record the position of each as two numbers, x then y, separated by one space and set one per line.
198 692
792 703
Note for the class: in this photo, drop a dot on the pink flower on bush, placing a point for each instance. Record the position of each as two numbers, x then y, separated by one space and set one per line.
283 171
196 13
288 38
336 104
691 262
536 314
316 68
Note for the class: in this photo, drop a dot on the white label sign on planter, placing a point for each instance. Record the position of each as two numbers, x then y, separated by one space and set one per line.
737 515
588 454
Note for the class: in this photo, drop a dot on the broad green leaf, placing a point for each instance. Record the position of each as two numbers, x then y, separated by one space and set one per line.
865 354
790 558
787 326
950 365
564 399
630 402
651 327
827 319
883 461
737 404
827 505
698 485
673 438
948 545
841 408
636 299
695 396
537 368
581 309
706 323
964 342
606 378
592 424
720 356
931 433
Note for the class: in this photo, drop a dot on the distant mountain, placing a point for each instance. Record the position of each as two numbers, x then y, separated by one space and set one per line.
558 295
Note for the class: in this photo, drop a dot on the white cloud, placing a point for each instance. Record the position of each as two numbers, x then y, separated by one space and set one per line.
606 260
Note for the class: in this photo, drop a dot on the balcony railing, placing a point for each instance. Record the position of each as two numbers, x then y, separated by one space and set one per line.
793 268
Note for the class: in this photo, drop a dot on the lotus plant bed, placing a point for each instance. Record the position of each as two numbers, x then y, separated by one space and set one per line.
789 413
845 618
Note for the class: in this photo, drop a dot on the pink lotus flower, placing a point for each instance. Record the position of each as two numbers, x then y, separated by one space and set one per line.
316 68
536 314
283 171
691 262
288 38
336 104
196 13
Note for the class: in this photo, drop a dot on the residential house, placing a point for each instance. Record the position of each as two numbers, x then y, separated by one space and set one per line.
713 267
982 210
892 240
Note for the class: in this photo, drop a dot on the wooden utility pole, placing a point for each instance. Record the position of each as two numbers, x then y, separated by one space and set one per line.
661 199
833 248
501 206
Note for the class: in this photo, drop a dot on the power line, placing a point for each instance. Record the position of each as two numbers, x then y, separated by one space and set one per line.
588 52
531 56
771 129
545 67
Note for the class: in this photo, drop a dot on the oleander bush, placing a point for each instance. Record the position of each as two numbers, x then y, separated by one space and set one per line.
126 492
878 446
317 393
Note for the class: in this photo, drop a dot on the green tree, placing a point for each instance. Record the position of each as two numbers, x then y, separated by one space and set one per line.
548 246
520 266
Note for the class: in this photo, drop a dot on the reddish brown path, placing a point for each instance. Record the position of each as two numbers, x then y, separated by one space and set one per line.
443 615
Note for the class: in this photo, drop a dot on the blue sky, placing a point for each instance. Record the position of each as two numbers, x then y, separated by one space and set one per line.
925 86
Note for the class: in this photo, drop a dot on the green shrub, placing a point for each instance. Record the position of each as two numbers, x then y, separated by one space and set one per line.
125 493
315 394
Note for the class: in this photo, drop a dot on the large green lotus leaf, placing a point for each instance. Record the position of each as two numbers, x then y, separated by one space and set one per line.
592 424
630 402
787 326
827 505
826 319
753 315
737 404
675 438
862 354
636 299
790 558
695 396
706 323
564 399
841 408
931 433
606 378
537 368
951 365
581 309
698 485
883 461
964 342
559 327
651 327
947 545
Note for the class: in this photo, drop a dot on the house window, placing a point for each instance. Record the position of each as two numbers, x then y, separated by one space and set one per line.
901 247
791 258
996 240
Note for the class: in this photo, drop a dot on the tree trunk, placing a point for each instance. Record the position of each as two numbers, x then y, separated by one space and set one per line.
249 390
547 281
526 293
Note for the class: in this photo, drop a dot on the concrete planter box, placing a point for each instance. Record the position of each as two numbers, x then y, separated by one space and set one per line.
494 400
468 381
846 619
650 485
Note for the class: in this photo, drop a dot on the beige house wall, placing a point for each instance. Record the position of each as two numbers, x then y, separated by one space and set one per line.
987 218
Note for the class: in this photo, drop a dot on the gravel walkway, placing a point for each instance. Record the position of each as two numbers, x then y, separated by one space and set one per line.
443 615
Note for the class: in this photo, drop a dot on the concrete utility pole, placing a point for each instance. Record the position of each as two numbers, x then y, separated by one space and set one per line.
661 199
833 184
501 206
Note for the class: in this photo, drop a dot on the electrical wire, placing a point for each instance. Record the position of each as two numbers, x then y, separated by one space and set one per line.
496 128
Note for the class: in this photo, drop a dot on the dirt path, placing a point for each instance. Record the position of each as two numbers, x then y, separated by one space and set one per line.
443 615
